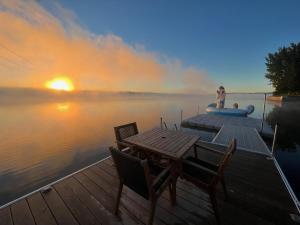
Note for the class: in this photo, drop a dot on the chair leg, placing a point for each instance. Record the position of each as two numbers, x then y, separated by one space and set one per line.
215 206
152 211
195 152
118 198
224 188
171 193
174 191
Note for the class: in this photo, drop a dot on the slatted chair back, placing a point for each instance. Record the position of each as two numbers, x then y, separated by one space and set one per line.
125 131
224 163
132 172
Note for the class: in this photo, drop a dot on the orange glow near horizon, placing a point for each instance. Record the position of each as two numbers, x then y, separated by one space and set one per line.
60 83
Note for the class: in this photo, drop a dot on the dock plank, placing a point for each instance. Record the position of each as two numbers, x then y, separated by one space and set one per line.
247 139
99 193
58 208
40 210
107 201
5 216
79 210
96 208
21 213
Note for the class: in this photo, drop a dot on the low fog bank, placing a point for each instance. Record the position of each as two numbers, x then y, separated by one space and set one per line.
31 95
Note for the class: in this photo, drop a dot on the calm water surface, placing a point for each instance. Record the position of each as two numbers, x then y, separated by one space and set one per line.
42 142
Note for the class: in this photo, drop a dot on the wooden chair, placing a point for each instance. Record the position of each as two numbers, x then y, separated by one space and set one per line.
128 130
139 176
214 151
125 131
208 177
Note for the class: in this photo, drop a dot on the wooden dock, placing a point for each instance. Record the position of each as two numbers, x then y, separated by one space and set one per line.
216 122
257 195
248 139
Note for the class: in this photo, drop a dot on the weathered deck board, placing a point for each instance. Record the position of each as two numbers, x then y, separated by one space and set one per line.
5 216
40 210
215 122
247 139
58 208
104 199
21 213
95 207
257 195
77 208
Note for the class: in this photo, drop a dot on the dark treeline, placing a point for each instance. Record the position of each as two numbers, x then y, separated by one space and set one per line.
283 70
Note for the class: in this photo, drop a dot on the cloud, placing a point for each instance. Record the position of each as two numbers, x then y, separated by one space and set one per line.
37 45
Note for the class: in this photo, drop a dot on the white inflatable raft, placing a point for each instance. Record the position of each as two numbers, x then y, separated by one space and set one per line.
212 109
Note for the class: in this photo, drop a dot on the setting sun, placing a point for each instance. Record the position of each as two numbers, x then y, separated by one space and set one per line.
60 83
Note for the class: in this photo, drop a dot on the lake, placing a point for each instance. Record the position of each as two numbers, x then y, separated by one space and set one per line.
46 139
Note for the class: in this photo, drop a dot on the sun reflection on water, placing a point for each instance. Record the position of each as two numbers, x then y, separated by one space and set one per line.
63 107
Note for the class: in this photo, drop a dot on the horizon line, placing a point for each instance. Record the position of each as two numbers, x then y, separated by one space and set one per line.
130 91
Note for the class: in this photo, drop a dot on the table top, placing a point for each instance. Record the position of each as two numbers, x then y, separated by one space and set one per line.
172 144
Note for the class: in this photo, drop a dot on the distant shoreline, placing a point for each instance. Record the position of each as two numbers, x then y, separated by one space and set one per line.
34 91
281 98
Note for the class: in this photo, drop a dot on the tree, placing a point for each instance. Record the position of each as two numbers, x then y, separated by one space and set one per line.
283 69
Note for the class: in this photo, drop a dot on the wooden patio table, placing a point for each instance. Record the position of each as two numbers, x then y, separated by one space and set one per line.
167 144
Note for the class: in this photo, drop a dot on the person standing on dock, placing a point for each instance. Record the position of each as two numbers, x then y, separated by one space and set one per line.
221 94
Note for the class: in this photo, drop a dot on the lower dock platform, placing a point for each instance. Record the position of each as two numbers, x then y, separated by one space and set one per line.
248 139
215 122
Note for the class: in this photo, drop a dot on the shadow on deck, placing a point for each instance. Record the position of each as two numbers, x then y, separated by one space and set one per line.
257 195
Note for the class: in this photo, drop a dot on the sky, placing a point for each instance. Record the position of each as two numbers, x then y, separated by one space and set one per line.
161 46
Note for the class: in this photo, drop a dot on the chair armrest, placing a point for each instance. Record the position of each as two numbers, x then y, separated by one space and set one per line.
124 144
200 167
161 177
162 180
127 149
197 145
205 161
132 148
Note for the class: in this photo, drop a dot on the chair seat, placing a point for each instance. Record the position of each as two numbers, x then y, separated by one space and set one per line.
156 171
209 165
192 170
211 145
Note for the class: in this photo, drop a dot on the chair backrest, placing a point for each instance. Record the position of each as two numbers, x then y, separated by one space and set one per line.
132 172
230 151
125 131
224 163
